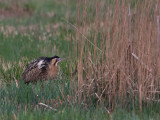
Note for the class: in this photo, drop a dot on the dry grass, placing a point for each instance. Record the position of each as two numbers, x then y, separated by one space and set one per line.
121 59
14 13
116 52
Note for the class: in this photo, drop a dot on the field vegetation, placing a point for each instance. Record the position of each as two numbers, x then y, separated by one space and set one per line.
113 66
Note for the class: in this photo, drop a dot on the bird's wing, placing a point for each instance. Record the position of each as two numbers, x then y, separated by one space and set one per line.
35 70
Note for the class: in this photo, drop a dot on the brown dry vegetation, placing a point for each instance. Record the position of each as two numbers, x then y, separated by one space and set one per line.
14 9
119 52
116 48
14 12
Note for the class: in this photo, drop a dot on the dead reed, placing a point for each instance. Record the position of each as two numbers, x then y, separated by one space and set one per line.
117 47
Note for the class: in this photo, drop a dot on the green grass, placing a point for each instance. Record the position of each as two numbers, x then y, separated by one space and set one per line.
23 45
21 102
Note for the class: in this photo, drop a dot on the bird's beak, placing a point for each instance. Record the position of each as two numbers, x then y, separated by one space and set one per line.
61 59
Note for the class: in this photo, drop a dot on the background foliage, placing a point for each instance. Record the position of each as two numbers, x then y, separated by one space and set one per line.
112 48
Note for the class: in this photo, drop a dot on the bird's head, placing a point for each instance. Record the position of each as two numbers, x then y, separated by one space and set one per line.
55 60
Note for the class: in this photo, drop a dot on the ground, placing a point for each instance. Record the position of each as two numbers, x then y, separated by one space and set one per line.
33 28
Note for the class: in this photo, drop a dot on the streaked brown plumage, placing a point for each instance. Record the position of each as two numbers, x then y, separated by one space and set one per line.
43 68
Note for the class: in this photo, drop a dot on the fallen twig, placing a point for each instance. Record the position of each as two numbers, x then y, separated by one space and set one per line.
44 105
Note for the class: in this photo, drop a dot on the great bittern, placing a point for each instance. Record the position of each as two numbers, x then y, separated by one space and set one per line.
43 68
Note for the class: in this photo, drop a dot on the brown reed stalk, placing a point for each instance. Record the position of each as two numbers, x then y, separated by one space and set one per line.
120 57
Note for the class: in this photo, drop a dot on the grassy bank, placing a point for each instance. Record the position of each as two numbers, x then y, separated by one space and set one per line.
112 48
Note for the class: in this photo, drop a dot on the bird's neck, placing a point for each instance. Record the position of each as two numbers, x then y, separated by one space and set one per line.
53 72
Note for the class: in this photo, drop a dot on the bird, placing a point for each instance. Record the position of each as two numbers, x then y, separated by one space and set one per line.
41 69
